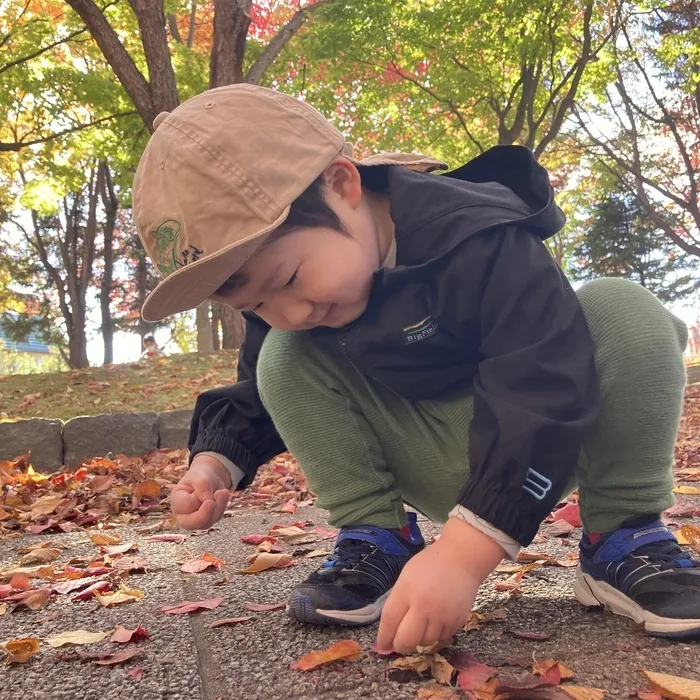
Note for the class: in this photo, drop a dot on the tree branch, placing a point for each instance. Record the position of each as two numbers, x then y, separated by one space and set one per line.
280 40
18 145
118 58
174 31
41 50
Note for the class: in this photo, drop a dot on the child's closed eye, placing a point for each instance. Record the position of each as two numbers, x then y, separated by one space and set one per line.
291 280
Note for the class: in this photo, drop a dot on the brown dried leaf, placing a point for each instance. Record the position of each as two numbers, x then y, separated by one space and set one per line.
265 607
433 691
441 669
40 556
194 566
345 650
76 637
419 663
34 599
189 606
103 538
123 595
119 658
673 687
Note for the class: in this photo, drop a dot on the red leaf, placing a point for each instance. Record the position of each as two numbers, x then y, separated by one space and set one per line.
345 649
188 606
325 533
258 539
570 513
122 635
119 658
229 621
474 676
136 673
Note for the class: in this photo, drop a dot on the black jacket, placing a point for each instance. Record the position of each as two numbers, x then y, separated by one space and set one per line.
475 300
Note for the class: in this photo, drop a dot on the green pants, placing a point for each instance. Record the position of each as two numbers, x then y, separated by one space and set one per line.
366 450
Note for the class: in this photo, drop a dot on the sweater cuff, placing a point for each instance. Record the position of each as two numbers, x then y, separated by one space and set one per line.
511 547
237 474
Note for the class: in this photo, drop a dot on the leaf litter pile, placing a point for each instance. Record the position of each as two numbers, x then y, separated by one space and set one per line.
104 494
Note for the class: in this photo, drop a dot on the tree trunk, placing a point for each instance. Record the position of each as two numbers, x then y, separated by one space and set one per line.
232 328
215 323
205 345
110 204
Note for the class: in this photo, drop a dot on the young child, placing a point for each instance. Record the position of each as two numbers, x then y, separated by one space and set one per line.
411 340
151 348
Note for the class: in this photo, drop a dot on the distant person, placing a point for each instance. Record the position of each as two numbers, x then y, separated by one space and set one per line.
410 339
151 348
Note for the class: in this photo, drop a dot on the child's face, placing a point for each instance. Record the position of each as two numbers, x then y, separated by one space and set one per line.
316 276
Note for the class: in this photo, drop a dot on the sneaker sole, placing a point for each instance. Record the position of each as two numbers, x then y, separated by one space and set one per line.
593 593
301 609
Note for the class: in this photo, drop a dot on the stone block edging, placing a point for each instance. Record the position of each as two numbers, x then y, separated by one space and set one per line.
54 443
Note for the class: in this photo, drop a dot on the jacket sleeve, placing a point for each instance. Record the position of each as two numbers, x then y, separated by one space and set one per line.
536 391
232 420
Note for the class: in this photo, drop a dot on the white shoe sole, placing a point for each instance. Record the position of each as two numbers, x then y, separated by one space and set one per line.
591 593
361 616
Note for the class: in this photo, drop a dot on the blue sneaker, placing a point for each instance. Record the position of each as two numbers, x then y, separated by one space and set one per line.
641 572
352 585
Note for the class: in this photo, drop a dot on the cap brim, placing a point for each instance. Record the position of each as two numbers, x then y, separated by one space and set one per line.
192 284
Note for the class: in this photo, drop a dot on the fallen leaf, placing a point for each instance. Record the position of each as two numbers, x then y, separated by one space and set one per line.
646 695
265 607
119 549
682 510
134 563
691 536
673 687
103 538
542 668
76 637
535 636
147 489
473 676
560 528
34 599
265 560
136 673
20 582
570 513
3 608
123 595
229 621
194 566
45 505
122 635
40 556
89 592
316 553
687 490
257 539
441 669
433 691
510 585
167 538
119 658
19 651
325 533
188 606
345 649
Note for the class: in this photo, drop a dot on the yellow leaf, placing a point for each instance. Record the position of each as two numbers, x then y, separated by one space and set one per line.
45 505
19 651
687 490
3 608
419 664
691 536
673 687
76 637
580 692
433 691
123 595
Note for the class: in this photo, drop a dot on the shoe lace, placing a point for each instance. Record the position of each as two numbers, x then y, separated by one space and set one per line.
349 553
669 554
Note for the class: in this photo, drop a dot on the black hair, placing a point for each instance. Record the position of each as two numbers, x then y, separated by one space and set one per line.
311 210
149 339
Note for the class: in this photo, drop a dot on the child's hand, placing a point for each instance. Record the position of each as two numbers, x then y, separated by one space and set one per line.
201 496
436 589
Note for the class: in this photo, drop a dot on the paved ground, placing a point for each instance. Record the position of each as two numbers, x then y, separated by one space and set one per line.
185 659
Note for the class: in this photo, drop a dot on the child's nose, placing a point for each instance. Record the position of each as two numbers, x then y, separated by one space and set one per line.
296 312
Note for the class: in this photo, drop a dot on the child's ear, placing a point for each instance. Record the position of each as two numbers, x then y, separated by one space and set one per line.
343 180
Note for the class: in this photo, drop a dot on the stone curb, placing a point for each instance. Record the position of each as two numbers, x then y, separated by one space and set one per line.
53 443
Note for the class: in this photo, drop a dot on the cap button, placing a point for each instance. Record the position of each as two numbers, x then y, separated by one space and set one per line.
159 119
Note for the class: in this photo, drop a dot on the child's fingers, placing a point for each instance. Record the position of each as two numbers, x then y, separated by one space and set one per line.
411 632
202 519
182 500
393 613
221 498
432 634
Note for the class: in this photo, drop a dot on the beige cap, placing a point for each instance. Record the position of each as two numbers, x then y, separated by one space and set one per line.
218 175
